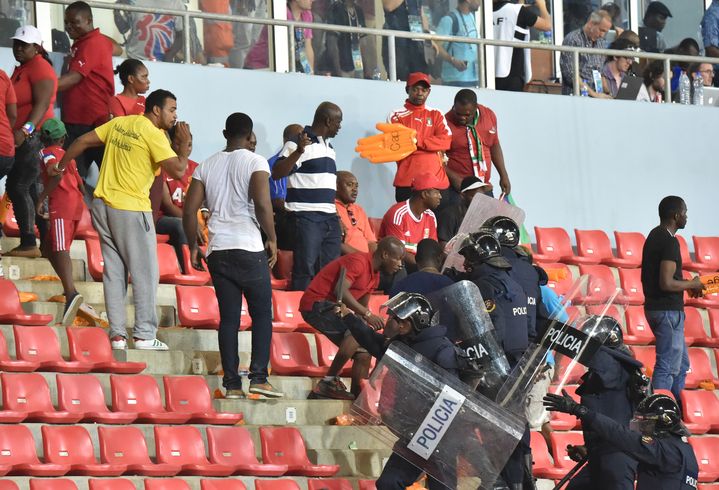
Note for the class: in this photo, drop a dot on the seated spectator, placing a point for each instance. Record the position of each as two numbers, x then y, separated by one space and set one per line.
304 52
652 90
654 22
616 67
408 16
136 81
450 218
589 36
459 60
413 220
149 36
357 234
344 55
278 193
687 47
428 277
706 71
630 36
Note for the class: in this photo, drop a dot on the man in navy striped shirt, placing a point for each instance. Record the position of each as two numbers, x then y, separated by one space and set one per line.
308 162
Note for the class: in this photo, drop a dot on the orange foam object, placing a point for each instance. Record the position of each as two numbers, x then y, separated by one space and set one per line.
394 143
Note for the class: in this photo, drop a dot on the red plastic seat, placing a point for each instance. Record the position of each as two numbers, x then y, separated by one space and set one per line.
290 355
706 450
278 484
8 485
11 310
197 307
13 365
543 467
601 310
170 269
329 484
111 484
560 440
140 394
367 484
326 352
166 484
553 245
700 368
233 446
40 344
638 331
54 484
127 446
630 280
647 355
95 262
191 395
286 315
82 395
705 301
714 324
223 484
375 304
284 445
706 251
562 373
595 244
73 446
10 226
26 397
687 263
91 345
17 452
701 411
694 332
191 271
562 286
630 247
375 224
183 446
601 285
283 266
85 230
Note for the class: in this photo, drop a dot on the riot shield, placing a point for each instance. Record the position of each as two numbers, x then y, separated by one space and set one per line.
571 347
482 208
436 422
461 310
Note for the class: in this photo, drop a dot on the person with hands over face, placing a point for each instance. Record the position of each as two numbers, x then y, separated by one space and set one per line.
136 148
233 183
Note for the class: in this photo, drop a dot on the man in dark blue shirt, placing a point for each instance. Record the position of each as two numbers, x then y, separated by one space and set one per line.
428 277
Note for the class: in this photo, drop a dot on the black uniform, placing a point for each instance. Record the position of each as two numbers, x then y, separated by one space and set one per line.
604 389
530 278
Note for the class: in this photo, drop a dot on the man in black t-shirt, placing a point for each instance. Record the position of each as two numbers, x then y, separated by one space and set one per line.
343 56
405 15
664 296
450 218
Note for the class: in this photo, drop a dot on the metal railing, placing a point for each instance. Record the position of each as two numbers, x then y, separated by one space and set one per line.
392 35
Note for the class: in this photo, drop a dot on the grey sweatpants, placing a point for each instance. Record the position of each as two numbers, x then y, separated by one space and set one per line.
129 247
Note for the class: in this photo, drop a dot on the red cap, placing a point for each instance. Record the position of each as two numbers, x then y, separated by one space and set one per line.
426 181
417 77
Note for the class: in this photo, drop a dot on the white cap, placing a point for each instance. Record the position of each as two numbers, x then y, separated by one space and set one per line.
28 34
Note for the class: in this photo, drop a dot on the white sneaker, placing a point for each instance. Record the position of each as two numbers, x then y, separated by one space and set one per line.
119 344
152 344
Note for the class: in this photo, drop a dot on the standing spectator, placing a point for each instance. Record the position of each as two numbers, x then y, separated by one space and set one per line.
589 36
233 182
217 34
8 115
475 145
616 67
650 34
459 67
89 83
652 90
357 234
304 52
451 217
35 85
405 15
513 66
64 192
309 160
136 81
151 36
278 193
710 30
137 147
433 137
344 54
615 12
664 295
428 278
413 220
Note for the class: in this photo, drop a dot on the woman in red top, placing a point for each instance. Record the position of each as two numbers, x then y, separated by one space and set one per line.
135 78
35 84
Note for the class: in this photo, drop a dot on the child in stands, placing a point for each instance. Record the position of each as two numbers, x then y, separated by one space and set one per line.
64 191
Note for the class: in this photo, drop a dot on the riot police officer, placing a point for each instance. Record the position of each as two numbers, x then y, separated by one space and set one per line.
612 386
655 438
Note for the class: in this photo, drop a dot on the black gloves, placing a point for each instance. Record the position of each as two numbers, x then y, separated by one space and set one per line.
565 403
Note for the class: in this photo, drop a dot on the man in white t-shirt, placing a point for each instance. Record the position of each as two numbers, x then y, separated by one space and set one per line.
233 183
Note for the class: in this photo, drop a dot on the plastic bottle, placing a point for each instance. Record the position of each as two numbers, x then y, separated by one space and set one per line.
377 74
684 89
547 37
583 90
698 98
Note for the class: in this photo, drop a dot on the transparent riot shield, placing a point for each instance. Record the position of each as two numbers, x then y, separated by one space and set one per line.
482 208
571 342
436 422
461 310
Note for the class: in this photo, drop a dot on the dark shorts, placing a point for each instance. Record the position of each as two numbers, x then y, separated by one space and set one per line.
323 319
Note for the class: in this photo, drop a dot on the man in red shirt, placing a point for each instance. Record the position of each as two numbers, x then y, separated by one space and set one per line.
319 302
433 137
8 114
473 127
89 83
413 220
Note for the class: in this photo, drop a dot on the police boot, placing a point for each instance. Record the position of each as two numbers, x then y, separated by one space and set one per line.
516 486
530 483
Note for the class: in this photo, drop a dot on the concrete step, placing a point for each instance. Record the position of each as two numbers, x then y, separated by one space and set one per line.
23 268
92 291
281 411
165 313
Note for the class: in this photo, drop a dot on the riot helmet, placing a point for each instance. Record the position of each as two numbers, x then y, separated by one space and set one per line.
505 229
658 415
605 329
413 307
483 247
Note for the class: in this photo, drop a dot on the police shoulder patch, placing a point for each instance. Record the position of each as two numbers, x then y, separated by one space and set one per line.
489 305
647 440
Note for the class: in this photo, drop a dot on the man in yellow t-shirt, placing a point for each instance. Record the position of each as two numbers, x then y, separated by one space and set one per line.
135 149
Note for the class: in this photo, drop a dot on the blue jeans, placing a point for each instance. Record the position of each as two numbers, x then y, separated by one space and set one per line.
672 363
317 243
234 273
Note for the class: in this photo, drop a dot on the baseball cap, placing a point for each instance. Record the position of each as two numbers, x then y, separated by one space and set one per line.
471 183
426 181
28 34
53 128
418 77
658 8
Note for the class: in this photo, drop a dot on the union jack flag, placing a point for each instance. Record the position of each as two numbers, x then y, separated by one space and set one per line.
157 31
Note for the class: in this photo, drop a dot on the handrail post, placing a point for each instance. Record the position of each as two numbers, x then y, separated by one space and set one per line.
187 38
667 81
392 62
293 48
575 62
481 74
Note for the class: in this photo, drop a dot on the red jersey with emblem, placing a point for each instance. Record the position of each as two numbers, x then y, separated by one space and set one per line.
66 200
464 145
433 137
359 273
400 222
178 187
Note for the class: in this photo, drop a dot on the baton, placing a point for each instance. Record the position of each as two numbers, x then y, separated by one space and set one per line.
339 290
571 473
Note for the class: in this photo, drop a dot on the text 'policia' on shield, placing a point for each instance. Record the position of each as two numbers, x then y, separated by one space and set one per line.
435 423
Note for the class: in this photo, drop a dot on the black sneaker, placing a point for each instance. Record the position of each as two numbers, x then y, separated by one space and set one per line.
334 390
